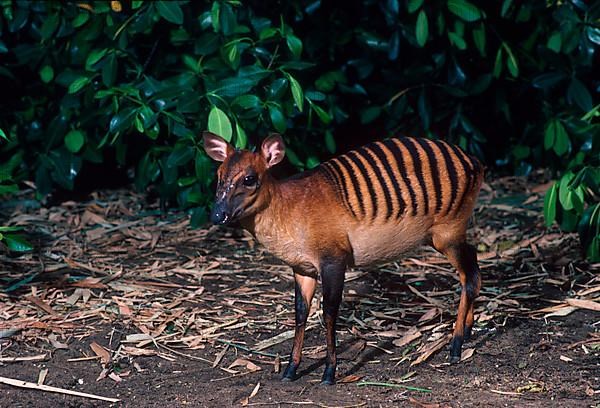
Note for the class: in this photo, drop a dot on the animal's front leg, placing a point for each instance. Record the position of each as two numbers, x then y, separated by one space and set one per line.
304 291
332 276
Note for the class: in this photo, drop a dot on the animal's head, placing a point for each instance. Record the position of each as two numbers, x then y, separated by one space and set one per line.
241 176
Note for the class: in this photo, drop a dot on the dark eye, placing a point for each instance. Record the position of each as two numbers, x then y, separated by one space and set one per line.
250 180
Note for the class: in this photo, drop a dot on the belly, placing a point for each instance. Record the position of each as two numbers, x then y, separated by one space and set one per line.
381 243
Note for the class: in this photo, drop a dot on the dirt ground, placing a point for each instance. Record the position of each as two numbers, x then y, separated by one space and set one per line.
123 302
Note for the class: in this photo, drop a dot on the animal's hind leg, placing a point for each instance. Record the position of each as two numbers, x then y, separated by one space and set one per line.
464 258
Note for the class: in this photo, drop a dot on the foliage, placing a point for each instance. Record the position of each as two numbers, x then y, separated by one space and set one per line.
142 83
574 200
511 82
13 240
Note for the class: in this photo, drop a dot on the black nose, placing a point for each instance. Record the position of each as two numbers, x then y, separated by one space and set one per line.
219 216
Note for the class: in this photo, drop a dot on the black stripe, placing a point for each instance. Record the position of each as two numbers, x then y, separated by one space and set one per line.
435 172
418 169
354 156
476 169
451 172
353 178
397 154
370 158
467 171
383 159
331 178
339 182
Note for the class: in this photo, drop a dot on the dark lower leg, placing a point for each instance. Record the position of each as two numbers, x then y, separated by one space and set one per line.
459 330
469 322
464 257
332 274
304 290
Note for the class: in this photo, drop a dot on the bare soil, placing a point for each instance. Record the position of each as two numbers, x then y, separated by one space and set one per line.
201 302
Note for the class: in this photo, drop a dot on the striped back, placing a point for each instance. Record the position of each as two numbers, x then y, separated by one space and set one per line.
388 179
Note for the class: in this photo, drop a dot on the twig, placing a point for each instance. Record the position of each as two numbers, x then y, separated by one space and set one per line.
41 387
40 357
381 384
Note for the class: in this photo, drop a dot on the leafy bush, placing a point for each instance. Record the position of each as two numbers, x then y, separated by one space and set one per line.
136 82
141 84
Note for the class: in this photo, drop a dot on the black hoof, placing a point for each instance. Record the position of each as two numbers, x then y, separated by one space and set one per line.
290 373
455 349
328 376
454 359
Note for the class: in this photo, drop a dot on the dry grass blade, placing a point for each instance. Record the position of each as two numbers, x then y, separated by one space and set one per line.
41 387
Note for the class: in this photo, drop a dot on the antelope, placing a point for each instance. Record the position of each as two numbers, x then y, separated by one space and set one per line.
367 206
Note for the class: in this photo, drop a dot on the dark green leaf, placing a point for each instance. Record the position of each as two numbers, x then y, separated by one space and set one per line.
370 114
49 26
550 204
180 155
277 119
465 10
565 193
505 7
122 120
457 41
547 80
330 142
170 11
46 73
479 39
579 94
247 101
498 64
554 42
511 61
296 92
294 44
77 84
422 29
414 5
81 19
74 140
241 139
17 243
323 115
94 57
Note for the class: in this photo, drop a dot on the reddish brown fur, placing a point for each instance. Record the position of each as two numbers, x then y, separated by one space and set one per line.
308 221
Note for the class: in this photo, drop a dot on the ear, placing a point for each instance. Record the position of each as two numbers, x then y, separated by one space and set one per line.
273 149
216 147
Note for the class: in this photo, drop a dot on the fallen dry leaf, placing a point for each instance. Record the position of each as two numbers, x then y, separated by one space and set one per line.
584 304
350 379
408 337
421 404
467 354
242 362
428 349
100 352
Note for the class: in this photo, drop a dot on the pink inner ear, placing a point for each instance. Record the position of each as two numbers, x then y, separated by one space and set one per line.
273 150
216 148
